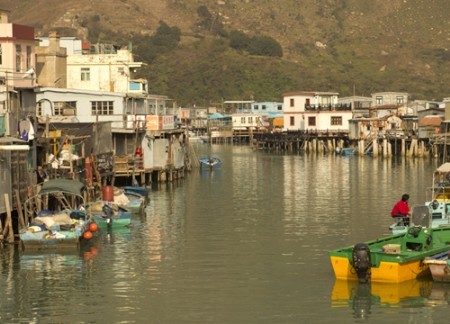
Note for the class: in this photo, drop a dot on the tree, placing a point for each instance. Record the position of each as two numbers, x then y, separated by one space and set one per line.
265 46
239 41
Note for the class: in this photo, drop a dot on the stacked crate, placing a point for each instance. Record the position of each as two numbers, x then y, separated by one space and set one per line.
122 163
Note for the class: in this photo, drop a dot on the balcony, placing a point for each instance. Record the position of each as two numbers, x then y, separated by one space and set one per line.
336 107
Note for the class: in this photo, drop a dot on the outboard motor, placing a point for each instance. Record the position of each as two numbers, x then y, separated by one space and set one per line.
361 262
108 213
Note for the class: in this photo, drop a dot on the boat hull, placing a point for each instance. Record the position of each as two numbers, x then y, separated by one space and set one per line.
386 272
139 190
46 241
120 220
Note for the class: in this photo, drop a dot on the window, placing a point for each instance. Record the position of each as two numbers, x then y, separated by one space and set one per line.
379 100
256 107
242 120
280 107
399 100
18 58
102 107
85 74
250 120
28 57
1 55
264 107
292 102
64 108
292 119
311 121
336 120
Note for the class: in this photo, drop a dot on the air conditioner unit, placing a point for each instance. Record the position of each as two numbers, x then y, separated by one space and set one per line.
69 112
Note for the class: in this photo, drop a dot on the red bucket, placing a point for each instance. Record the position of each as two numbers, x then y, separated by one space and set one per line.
108 193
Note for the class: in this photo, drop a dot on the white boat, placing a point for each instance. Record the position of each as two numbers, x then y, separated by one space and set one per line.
436 210
194 138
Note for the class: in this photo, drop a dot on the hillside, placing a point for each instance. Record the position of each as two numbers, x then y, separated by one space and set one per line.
348 46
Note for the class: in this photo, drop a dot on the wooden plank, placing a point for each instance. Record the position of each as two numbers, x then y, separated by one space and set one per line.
1 232
19 210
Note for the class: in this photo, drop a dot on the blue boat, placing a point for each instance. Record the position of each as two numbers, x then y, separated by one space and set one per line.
61 221
136 201
210 162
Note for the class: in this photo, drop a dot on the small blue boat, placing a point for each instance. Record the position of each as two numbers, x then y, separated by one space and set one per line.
210 162
347 151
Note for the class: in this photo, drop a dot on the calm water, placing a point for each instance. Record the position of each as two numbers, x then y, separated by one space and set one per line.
244 244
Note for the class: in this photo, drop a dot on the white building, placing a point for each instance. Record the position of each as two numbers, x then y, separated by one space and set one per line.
315 111
82 106
104 72
246 121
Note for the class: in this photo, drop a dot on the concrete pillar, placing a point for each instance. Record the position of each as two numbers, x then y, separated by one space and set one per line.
403 147
375 147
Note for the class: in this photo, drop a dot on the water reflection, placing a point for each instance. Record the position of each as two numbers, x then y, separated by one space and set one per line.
363 298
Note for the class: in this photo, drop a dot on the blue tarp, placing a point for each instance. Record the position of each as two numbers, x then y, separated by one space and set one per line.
218 116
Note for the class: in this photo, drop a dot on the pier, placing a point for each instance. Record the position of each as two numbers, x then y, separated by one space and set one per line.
339 142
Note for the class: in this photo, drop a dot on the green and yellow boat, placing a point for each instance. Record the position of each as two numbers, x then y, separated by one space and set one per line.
394 259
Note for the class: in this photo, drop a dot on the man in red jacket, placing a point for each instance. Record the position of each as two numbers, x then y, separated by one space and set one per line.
401 209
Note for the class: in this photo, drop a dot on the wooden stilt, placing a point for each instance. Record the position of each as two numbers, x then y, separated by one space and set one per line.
8 230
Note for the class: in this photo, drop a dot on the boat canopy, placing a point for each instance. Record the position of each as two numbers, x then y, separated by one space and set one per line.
444 167
74 187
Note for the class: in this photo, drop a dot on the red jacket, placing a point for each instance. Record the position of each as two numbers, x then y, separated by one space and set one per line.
400 208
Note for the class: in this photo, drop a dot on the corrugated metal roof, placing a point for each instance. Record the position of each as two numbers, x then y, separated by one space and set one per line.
431 121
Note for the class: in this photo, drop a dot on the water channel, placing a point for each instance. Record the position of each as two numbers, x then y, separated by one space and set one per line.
244 244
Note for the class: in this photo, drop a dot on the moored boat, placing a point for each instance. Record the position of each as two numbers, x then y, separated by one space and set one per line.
109 214
394 259
61 222
439 266
210 162
131 199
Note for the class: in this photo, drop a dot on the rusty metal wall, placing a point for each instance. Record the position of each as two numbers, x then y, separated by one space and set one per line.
5 178
19 175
